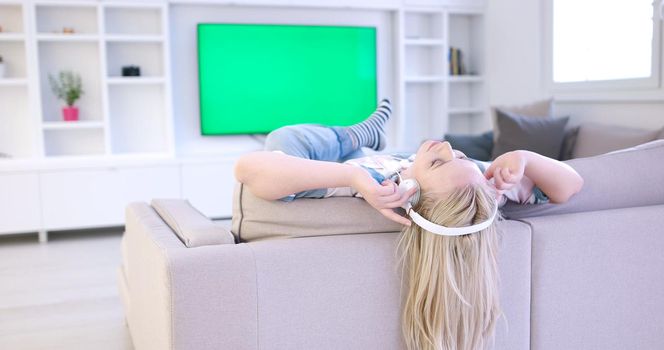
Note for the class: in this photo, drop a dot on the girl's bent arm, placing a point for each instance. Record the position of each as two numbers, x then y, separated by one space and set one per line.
557 179
274 175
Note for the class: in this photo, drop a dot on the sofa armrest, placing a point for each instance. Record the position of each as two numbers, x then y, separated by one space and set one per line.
192 227
174 294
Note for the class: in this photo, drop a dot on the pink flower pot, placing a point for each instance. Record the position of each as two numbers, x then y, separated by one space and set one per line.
70 114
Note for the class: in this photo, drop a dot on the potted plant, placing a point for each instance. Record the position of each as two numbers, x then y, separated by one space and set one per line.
67 87
2 68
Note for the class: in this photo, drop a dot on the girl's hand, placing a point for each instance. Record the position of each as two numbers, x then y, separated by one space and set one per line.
507 170
383 197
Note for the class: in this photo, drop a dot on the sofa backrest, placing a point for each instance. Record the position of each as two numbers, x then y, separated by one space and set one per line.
593 139
627 178
255 218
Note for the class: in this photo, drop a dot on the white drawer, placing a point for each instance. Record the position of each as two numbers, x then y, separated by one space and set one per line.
209 187
19 203
97 197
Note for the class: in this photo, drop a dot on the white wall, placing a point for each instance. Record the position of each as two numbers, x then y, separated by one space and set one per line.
515 69
183 20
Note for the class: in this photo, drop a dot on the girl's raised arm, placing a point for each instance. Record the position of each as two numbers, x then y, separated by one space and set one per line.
556 179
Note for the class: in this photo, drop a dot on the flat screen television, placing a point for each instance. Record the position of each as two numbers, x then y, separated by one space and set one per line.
255 78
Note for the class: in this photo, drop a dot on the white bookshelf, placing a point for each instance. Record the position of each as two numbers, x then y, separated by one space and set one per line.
118 115
436 102
17 134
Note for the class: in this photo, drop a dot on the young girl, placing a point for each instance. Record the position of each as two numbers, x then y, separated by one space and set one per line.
452 300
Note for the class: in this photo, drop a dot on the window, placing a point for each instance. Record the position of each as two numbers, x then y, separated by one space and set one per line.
603 45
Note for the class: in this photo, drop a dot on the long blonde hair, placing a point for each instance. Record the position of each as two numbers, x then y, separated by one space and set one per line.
452 297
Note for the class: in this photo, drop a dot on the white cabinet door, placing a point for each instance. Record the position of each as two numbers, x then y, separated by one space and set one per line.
97 197
209 187
19 203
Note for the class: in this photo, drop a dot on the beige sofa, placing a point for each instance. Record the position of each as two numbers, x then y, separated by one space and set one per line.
321 274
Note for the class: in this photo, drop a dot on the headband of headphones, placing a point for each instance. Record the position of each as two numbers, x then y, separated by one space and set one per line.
420 221
444 230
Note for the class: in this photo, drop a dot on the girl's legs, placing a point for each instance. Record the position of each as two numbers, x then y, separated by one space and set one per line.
332 144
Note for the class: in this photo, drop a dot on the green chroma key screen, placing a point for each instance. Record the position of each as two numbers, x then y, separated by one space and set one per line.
256 78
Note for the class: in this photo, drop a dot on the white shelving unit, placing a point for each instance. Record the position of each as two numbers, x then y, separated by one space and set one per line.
17 136
434 101
118 115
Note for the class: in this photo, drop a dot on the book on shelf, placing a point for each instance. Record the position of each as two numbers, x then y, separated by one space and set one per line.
456 62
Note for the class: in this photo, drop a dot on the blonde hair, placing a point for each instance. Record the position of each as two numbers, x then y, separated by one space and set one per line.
452 297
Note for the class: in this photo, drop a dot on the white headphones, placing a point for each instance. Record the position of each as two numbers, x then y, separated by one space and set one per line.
407 184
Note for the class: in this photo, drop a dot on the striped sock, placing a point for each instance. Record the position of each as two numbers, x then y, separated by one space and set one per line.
370 133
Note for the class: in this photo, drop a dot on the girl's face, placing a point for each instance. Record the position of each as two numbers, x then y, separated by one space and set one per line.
439 168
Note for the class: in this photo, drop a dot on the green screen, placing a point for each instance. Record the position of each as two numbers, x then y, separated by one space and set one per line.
256 78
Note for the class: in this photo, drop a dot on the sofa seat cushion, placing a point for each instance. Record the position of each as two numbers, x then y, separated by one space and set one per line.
256 218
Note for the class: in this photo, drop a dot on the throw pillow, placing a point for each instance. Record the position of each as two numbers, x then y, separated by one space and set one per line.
537 109
569 141
541 135
474 146
594 139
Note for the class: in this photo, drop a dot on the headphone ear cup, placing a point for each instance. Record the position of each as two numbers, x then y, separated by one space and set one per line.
405 186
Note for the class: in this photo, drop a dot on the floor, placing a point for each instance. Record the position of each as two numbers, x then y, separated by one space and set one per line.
61 294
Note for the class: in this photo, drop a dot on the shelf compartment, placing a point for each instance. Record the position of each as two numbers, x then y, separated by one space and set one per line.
132 20
423 25
73 142
148 56
13 55
53 18
467 34
11 19
464 95
81 124
422 102
137 125
17 133
425 60
57 56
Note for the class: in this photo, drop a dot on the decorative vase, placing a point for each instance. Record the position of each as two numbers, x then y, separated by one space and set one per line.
70 113
2 70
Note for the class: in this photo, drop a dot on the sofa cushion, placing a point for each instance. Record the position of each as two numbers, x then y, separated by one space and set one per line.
255 218
542 135
536 109
473 146
627 178
193 228
594 138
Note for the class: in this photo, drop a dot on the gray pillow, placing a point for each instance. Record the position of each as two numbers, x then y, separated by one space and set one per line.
474 146
541 135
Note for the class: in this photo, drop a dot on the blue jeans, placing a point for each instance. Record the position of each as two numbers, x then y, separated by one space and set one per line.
315 142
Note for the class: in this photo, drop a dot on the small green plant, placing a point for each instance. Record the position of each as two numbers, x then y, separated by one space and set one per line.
67 86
